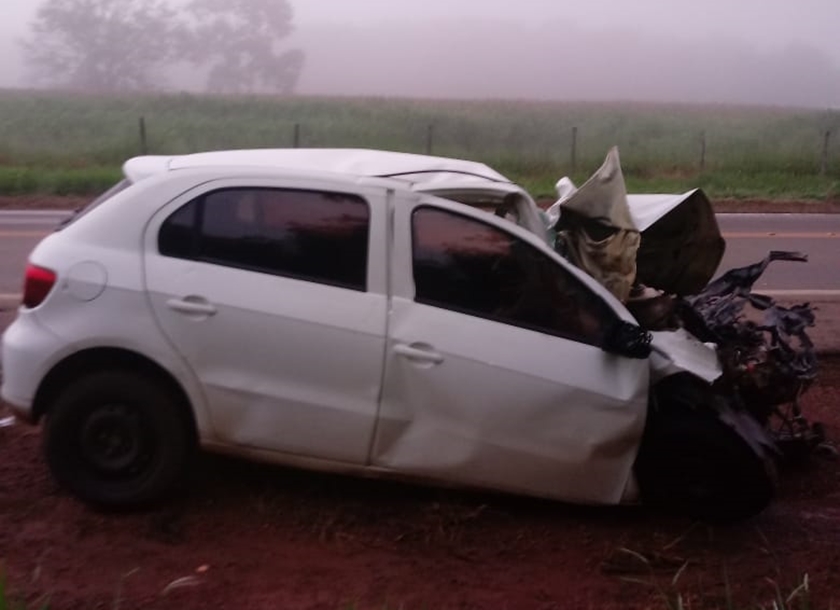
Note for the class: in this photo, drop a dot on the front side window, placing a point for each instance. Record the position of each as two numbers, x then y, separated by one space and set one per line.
310 235
469 266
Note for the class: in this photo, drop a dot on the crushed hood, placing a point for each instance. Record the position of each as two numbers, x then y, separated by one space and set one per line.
681 245
681 242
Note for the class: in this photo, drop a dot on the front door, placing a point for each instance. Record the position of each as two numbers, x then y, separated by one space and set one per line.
494 375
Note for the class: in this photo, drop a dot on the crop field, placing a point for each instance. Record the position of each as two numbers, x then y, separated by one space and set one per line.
71 143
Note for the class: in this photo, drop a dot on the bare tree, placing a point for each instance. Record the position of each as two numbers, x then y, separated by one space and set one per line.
240 41
102 45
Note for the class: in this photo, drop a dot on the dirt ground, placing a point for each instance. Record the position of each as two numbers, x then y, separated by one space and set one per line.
258 537
250 536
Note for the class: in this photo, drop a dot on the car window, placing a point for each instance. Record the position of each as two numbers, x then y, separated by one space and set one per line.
469 266
86 209
311 235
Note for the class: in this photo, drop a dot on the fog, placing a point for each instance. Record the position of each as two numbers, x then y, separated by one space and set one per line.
774 52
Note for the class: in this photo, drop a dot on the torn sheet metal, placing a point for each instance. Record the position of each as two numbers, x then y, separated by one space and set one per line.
764 347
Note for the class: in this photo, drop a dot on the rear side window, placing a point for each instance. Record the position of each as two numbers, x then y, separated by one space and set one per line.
466 265
77 214
310 235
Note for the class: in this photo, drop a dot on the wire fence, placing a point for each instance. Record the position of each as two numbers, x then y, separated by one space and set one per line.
696 152
522 139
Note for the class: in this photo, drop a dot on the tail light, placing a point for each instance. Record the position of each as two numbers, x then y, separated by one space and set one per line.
37 284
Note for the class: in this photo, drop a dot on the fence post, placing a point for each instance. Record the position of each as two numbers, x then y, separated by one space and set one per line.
430 139
574 149
144 145
296 136
824 164
703 151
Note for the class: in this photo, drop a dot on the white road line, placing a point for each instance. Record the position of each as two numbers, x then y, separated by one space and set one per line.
781 235
31 222
753 215
23 234
39 217
809 293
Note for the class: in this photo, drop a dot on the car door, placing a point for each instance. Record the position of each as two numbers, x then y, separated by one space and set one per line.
494 376
274 293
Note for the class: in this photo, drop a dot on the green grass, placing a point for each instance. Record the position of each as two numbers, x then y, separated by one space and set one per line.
74 143
56 181
727 185
672 595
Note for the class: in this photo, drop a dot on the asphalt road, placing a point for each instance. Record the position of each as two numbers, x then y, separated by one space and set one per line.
749 238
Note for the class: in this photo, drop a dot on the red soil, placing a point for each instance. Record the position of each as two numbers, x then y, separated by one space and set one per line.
250 536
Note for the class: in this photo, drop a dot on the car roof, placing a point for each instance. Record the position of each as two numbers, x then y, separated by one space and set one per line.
412 168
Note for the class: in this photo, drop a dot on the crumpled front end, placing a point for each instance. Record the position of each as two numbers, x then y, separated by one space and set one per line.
754 352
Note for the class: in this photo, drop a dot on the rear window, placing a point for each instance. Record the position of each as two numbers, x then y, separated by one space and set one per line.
79 212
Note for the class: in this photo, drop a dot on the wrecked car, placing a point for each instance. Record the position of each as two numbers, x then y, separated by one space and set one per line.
374 313
766 357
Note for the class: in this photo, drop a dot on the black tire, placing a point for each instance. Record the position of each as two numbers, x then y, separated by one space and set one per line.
117 439
693 463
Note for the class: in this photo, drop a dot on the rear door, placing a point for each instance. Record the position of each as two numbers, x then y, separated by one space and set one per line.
274 293
494 375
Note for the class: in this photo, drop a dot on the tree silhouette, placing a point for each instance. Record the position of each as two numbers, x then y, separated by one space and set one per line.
240 42
102 45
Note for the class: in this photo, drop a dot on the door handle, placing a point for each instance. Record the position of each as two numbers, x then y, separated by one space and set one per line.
196 306
419 352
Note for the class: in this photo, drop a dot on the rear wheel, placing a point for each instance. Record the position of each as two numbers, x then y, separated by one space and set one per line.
117 438
694 463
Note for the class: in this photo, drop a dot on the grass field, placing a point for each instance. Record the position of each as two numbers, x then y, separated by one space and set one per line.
74 143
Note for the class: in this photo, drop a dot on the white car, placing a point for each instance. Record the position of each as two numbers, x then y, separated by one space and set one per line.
355 311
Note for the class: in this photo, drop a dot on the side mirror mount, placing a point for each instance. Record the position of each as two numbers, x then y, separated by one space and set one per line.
629 340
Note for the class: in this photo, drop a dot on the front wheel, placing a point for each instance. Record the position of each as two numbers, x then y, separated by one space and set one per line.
693 463
117 439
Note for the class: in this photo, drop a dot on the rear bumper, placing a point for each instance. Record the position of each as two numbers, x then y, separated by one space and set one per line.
27 351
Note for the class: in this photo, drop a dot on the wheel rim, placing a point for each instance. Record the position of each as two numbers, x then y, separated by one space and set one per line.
114 440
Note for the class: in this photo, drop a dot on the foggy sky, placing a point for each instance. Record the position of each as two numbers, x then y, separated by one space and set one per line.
670 50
